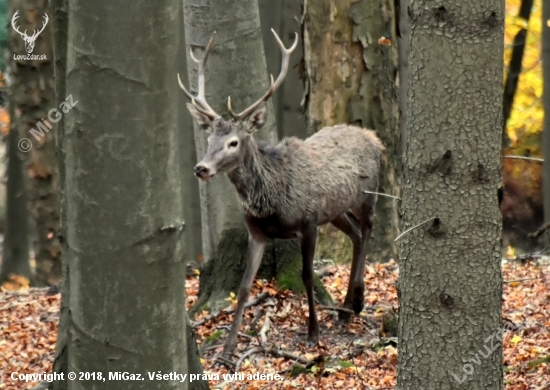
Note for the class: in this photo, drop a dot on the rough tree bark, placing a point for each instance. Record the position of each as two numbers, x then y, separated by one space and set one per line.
403 55
122 189
236 67
33 97
546 102
351 78
450 286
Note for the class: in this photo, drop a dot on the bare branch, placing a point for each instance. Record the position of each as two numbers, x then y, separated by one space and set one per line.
525 158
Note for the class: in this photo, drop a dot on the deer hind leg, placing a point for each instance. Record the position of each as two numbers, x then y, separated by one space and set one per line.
351 227
309 237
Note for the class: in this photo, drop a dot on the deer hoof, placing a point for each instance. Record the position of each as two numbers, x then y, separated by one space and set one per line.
358 307
312 340
343 318
311 344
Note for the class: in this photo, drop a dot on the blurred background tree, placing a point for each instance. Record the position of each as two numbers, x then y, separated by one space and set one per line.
522 205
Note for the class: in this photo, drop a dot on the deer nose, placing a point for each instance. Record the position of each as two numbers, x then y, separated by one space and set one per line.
200 170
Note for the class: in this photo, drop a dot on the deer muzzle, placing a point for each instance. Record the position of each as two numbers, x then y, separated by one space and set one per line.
203 171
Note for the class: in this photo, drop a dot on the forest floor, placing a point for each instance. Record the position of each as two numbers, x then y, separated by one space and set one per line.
362 355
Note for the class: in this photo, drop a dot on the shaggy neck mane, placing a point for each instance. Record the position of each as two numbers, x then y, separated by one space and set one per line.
259 177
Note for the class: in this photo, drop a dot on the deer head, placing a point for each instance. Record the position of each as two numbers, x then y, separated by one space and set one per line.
29 41
226 139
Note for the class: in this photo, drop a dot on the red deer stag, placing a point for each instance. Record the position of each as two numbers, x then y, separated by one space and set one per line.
290 189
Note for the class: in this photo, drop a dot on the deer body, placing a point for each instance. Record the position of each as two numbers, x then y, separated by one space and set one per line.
289 189
316 180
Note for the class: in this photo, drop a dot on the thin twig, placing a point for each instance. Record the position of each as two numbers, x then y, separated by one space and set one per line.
265 328
520 280
261 297
540 231
247 354
335 308
414 227
381 194
525 158
280 353
226 362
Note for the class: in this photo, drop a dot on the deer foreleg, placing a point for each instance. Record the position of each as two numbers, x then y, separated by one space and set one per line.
308 251
256 246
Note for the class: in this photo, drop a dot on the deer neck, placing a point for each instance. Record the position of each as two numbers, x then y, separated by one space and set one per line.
258 180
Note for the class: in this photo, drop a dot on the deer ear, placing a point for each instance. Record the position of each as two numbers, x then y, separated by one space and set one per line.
257 119
202 120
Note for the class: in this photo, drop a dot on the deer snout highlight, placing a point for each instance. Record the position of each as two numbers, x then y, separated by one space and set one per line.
202 171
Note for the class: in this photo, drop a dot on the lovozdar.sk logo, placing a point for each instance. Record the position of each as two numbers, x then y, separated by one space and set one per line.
30 40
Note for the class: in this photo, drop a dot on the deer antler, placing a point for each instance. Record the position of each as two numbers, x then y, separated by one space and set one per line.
43 27
199 101
24 34
274 85
15 16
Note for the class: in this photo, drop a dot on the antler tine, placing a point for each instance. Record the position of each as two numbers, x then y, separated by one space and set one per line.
274 85
16 28
199 101
268 94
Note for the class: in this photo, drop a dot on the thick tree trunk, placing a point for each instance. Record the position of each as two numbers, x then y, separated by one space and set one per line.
284 16
122 188
546 102
33 98
450 286
236 68
352 78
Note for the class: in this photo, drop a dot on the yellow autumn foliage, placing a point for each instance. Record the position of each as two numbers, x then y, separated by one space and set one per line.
527 112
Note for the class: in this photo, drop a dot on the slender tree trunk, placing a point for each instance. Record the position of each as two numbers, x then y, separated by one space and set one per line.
190 188
236 68
450 286
546 102
403 47
122 189
15 256
352 78
33 98
59 10
191 205
514 68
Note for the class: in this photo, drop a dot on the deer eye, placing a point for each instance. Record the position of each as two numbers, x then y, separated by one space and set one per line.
233 144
